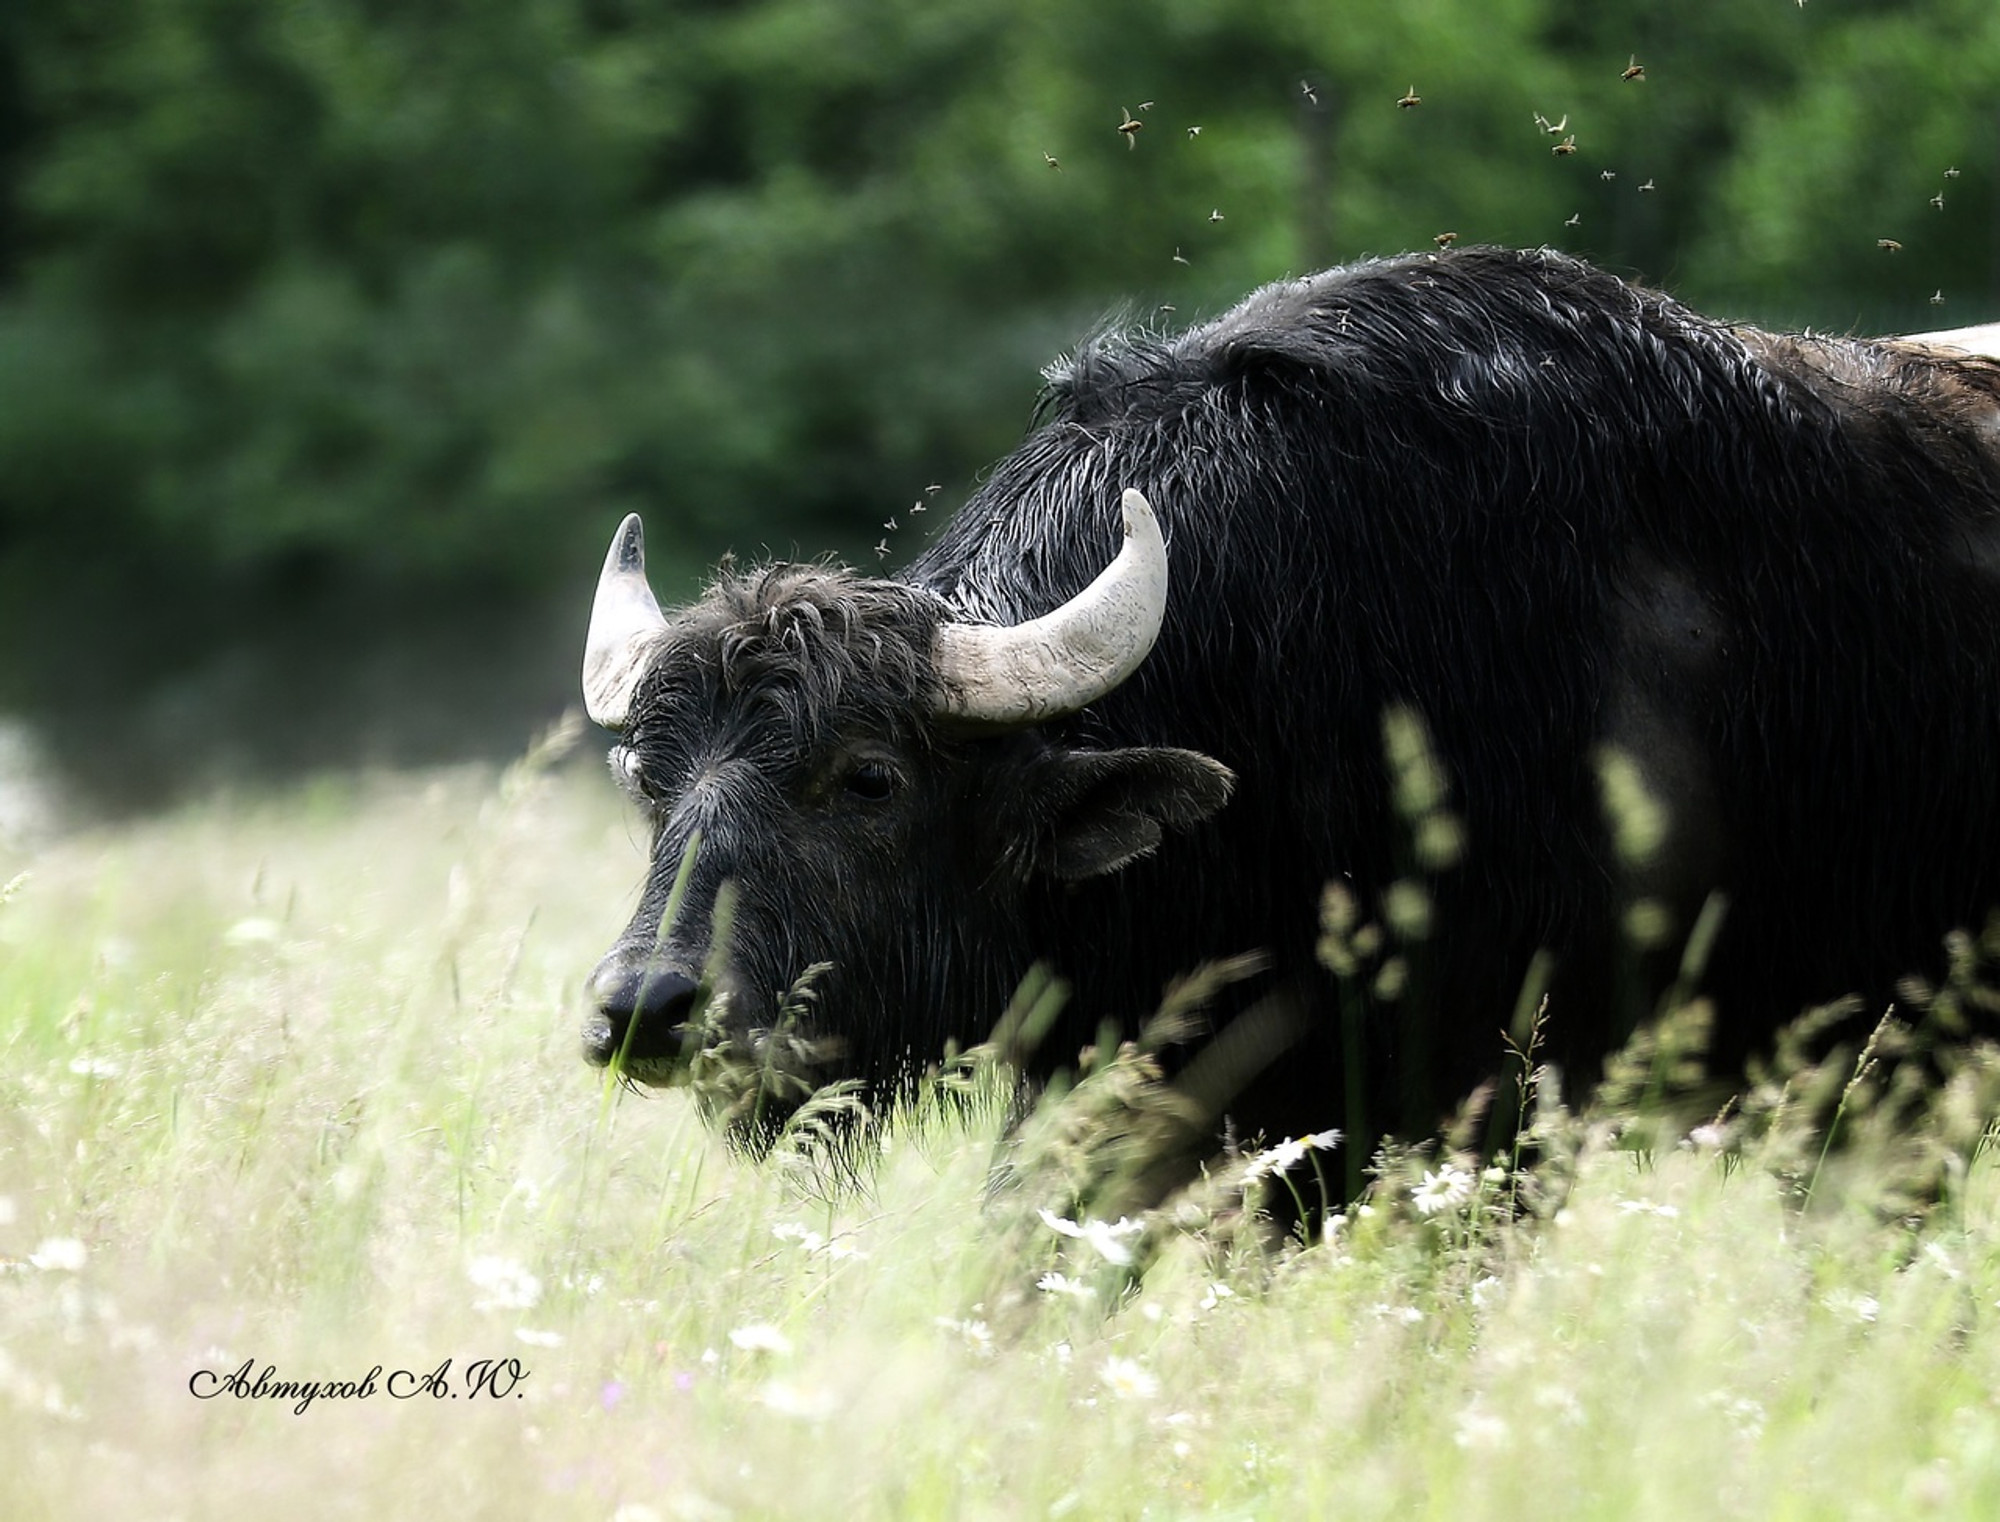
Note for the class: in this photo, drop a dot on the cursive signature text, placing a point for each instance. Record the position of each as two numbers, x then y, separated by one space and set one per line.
492 1378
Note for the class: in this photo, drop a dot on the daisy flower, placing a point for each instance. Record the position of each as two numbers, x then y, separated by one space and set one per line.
1128 1379
1446 1189
65 1254
1106 1236
505 1284
760 1337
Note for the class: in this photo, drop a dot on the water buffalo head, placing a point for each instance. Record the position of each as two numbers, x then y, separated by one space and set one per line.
862 827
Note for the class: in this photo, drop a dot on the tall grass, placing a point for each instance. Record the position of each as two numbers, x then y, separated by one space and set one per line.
293 1082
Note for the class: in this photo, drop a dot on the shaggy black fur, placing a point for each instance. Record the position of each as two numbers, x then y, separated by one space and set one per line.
1547 511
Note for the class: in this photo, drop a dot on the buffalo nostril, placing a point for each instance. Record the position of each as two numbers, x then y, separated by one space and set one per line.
639 1010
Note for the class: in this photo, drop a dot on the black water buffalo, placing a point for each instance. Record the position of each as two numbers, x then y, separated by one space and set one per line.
1588 540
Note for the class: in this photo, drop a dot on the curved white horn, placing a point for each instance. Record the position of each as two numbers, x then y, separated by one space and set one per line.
1983 341
623 621
1061 662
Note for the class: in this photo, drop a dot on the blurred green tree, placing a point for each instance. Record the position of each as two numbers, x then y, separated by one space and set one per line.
425 295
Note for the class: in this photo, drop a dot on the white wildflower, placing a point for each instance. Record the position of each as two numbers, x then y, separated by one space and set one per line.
506 1284
1061 1284
1936 1257
95 1067
797 1401
760 1337
1408 1315
1128 1379
537 1339
1748 1417
1485 1291
1288 1154
1106 1236
1217 1293
1648 1207
1852 1306
842 1248
1446 1189
60 1254
794 1231
1745 1415
977 1334
1275 1160
255 931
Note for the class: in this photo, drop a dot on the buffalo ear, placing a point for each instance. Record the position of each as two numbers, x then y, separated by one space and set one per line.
1104 808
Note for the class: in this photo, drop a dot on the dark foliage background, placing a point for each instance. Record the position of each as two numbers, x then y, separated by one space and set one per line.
335 335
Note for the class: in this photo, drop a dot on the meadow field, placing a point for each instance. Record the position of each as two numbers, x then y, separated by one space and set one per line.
290 1096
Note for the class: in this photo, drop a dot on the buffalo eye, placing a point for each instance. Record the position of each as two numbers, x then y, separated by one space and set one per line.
631 775
870 781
